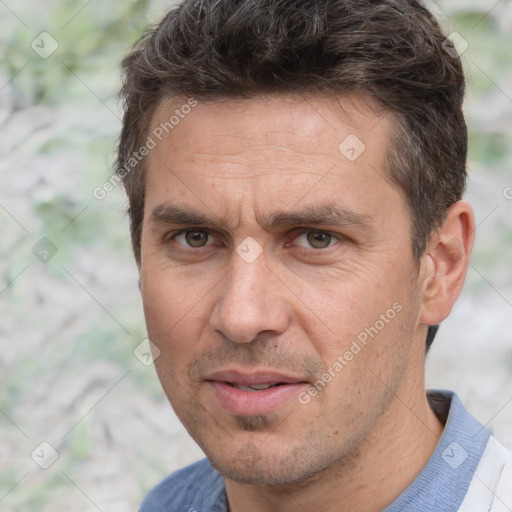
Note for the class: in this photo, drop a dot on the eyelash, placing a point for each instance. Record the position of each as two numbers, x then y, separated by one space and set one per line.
188 249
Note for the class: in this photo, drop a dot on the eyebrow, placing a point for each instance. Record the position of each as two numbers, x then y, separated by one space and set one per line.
329 214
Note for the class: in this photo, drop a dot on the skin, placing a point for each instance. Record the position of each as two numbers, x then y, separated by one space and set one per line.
366 435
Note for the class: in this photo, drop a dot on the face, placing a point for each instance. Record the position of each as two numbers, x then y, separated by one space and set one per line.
277 279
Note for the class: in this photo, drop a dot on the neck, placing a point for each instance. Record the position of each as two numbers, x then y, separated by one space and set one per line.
380 468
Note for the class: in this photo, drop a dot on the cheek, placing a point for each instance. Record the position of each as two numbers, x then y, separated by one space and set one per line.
338 310
175 310
359 329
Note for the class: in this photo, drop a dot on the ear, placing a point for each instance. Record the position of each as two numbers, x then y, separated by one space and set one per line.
445 263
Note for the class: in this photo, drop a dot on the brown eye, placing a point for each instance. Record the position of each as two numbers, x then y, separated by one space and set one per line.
196 238
319 240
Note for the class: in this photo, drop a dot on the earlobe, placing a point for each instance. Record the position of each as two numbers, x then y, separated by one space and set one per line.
446 262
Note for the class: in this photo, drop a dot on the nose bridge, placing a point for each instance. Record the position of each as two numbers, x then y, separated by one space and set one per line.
248 301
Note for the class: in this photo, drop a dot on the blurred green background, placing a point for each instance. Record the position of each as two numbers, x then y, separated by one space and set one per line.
71 316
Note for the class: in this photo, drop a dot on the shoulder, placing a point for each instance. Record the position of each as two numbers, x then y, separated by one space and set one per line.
197 486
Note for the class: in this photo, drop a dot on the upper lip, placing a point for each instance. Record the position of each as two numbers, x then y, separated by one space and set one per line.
253 378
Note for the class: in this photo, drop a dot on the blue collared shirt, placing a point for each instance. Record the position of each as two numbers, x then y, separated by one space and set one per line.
440 486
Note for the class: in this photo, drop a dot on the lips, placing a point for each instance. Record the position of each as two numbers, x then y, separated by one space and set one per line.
254 393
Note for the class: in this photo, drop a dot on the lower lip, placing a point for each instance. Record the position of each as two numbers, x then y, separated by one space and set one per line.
252 403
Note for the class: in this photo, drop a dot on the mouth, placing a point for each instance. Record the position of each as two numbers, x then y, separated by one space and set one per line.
254 393
254 387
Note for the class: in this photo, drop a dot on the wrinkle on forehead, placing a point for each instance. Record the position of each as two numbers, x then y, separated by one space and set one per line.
257 116
247 155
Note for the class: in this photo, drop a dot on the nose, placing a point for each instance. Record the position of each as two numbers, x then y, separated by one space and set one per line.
250 301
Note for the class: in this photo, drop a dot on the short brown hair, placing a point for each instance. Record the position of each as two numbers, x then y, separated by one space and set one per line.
392 51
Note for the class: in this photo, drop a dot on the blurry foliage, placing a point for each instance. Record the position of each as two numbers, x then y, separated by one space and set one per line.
488 68
487 52
91 40
492 149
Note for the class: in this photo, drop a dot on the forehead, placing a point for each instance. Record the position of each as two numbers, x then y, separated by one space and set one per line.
274 149
301 122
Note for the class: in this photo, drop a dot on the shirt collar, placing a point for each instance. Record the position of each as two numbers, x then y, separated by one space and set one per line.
445 479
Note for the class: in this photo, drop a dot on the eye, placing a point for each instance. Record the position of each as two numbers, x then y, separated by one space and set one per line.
315 239
195 238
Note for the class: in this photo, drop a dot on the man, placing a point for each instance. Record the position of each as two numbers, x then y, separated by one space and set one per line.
294 170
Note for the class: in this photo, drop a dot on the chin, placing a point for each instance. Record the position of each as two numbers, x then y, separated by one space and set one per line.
264 464
270 473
